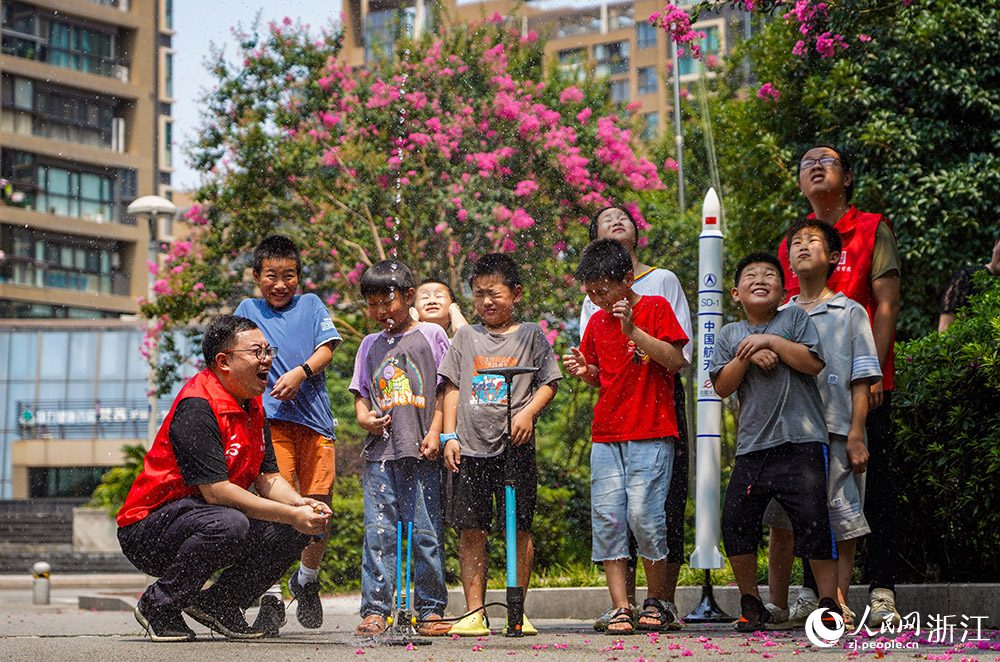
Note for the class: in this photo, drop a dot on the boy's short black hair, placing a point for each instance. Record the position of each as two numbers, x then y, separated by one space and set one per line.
845 163
834 243
437 281
603 258
593 223
276 246
754 258
384 277
220 336
497 263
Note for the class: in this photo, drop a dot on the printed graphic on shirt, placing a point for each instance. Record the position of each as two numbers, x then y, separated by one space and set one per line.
636 354
490 389
392 384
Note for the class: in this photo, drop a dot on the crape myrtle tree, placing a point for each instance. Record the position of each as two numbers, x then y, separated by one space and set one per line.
458 143
910 88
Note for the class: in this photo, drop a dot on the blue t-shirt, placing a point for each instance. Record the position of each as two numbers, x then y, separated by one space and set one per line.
297 331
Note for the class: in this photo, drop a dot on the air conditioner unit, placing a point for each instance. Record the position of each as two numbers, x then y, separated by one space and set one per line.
123 5
120 72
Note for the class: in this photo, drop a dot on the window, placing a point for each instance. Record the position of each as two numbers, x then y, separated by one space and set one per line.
78 194
168 74
710 47
22 30
652 128
571 61
611 58
82 49
43 110
621 17
168 144
647 80
619 91
168 14
382 28
63 262
645 35
577 23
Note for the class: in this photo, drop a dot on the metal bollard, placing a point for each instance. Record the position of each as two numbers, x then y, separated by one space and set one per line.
40 583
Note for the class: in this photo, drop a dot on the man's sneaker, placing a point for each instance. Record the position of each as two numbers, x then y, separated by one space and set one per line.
309 610
601 622
753 615
675 622
227 621
827 618
779 615
805 604
883 609
849 615
527 629
473 625
271 616
160 625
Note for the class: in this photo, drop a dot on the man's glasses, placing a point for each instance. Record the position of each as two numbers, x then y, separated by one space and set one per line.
259 352
826 162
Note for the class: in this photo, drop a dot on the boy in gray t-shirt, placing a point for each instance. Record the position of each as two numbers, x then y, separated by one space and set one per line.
771 360
814 249
475 427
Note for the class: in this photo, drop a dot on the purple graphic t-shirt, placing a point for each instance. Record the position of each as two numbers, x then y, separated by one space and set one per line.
399 375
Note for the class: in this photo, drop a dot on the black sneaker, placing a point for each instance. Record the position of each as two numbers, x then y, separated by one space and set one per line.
227 621
271 616
753 614
162 625
309 610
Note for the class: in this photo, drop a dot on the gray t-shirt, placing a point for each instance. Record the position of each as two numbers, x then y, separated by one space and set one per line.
846 333
482 399
399 375
780 405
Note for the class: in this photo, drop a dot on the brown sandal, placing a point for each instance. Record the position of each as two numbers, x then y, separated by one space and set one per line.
434 626
371 625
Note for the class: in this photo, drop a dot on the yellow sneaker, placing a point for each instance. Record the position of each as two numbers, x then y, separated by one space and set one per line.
472 625
527 629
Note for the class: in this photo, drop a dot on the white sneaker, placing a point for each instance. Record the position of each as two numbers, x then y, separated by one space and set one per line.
883 609
805 604
779 615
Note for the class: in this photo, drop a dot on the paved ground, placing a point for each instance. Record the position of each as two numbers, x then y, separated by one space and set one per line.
63 632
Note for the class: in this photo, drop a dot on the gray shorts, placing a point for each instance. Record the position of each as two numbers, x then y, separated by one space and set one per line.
845 497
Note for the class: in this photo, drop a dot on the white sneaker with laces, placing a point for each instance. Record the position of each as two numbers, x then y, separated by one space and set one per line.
805 604
779 615
883 609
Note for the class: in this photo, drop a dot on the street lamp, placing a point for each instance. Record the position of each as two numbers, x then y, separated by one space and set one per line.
152 208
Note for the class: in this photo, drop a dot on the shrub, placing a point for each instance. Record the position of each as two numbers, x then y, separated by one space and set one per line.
947 454
116 482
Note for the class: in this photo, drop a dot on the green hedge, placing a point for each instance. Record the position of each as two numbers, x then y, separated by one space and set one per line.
947 454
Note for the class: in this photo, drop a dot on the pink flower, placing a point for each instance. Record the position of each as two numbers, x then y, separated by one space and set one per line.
440 227
571 95
521 220
864 38
670 164
584 115
463 215
768 92
508 246
526 188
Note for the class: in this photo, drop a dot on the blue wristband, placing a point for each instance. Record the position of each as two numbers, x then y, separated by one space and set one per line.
448 436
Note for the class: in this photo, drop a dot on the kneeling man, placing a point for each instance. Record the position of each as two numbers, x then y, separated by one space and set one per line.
190 513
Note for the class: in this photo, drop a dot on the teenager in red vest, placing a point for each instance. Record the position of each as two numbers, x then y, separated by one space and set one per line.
868 273
190 513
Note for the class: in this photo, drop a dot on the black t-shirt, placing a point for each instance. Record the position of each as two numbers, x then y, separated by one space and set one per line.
197 443
956 294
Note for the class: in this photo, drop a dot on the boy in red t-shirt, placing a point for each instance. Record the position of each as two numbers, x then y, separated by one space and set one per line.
630 350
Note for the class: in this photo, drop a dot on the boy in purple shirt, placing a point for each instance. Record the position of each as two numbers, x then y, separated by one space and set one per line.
395 388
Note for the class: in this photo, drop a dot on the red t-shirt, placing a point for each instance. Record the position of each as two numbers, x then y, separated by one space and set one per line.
636 398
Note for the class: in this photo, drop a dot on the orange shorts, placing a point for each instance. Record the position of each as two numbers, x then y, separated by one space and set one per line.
305 457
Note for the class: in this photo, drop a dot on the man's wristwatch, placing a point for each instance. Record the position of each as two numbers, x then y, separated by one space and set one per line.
308 370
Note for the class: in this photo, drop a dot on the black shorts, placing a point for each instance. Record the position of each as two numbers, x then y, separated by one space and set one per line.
479 495
795 476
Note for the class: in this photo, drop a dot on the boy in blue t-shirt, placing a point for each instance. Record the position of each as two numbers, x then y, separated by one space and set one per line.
296 401
395 387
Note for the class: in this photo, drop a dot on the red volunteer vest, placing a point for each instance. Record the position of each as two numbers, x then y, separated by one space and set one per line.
853 275
242 435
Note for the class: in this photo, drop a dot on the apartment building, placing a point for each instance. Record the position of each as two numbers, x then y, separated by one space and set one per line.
86 90
613 37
